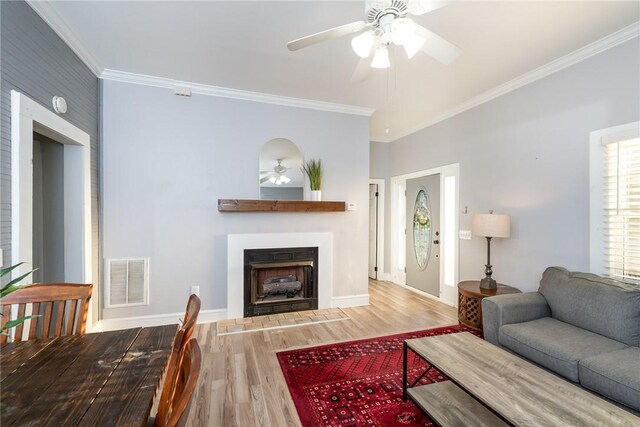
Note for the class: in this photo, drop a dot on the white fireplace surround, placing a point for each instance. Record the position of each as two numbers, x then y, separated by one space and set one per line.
237 243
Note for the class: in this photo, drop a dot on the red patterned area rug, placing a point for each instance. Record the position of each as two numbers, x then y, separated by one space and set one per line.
358 383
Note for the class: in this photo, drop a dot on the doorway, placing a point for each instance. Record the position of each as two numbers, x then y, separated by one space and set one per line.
373 231
422 204
70 226
48 210
376 229
422 227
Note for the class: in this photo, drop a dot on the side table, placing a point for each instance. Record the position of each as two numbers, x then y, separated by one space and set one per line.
470 297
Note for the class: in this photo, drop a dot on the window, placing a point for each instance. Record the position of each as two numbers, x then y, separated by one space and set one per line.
621 188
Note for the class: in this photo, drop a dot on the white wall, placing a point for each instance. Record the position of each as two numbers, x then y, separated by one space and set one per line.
168 159
526 154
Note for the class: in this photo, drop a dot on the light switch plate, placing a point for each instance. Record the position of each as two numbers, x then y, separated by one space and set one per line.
465 234
351 206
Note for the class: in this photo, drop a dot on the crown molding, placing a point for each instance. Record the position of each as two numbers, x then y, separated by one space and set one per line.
222 92
586 52
60 27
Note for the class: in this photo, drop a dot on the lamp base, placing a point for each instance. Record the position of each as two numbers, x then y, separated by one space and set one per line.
488 283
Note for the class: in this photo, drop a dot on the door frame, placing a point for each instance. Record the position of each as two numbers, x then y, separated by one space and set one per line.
27 116
380 229
449 220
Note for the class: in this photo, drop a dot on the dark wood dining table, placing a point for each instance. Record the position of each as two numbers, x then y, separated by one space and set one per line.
98 379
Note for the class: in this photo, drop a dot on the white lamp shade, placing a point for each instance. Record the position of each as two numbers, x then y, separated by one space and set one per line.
363 43
401 30
491 225
381 58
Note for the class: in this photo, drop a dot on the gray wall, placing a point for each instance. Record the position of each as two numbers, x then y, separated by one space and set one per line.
37 63
166 161
526 154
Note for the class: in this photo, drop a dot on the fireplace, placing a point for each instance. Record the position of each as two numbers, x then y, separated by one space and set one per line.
280 280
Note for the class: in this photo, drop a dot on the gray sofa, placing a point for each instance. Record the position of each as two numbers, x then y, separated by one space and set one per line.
583 327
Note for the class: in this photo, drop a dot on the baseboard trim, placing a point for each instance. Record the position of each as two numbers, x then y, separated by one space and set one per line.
205 316
350 301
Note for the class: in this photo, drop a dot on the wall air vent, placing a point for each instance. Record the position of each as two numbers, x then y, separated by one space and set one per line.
127 282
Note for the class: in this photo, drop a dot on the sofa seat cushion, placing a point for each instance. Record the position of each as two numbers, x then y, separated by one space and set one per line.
615 375
556 345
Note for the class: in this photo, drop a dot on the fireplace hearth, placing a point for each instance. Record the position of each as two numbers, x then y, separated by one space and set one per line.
280 280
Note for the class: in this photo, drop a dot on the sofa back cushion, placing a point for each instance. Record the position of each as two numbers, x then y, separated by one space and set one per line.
605 306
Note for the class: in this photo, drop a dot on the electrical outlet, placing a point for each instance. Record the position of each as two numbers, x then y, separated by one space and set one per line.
465 234
351 206
195 290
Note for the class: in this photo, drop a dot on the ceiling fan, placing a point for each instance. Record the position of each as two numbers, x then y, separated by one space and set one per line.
277 176
387 23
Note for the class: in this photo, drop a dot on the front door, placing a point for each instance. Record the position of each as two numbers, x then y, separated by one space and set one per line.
373 231
423 234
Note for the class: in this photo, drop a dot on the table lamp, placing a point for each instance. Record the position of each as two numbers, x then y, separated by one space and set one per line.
490 225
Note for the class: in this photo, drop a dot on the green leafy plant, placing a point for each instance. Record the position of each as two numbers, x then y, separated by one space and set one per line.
313 170
13 286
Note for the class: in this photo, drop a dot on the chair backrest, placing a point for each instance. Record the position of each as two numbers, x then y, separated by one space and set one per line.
171 412
183 335
190 317
63 308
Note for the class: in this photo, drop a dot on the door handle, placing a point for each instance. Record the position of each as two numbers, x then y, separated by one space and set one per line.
435 242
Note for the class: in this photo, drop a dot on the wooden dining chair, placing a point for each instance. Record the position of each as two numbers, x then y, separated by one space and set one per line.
174 412
190 317
63 308
182 337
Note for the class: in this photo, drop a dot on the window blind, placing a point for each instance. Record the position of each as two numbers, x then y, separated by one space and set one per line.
622 209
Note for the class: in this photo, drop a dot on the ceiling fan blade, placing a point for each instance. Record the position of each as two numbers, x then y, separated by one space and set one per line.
364 65
265 178
420 7
362 70
437 47
322 36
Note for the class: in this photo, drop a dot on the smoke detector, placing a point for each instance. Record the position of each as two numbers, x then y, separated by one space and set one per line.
59 105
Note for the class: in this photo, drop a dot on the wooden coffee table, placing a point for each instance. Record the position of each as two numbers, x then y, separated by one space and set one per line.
491 386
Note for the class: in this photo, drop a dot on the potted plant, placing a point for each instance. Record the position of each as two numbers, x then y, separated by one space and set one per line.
313 170
13 286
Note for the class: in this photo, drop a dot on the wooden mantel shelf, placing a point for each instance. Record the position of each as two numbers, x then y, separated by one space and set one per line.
235 205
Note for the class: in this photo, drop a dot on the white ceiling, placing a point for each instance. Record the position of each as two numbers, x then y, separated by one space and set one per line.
242 45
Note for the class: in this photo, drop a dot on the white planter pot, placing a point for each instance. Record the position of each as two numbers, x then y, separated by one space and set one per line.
316 196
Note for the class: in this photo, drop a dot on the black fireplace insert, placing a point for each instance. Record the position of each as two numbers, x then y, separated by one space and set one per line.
280 280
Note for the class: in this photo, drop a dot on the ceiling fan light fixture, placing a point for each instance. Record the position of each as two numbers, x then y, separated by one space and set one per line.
272 180
413 44
381 58
402 29
362 44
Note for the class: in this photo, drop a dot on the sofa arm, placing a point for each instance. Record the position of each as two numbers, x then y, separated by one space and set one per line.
512 308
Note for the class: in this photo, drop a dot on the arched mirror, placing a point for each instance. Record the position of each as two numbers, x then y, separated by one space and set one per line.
280 174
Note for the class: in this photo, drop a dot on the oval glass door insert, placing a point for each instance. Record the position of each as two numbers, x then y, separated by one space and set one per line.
422 229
